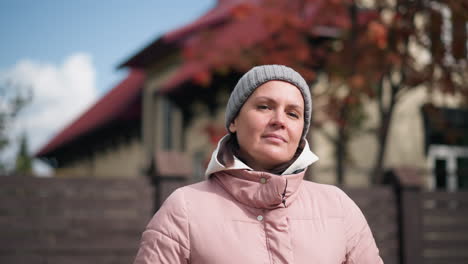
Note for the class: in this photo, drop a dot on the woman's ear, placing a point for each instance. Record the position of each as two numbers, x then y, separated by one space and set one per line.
232 126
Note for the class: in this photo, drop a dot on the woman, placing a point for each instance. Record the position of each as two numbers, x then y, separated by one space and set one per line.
255 206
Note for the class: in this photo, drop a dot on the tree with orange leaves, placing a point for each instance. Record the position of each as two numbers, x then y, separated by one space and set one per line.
368 50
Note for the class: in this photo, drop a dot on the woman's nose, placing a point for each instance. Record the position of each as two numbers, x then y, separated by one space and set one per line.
278 119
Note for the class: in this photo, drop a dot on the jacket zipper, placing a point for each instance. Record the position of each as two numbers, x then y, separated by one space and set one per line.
283 196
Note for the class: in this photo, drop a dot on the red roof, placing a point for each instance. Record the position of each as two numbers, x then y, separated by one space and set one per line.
111 107
177 38
114 104
216 15
245 32
181 75
233 34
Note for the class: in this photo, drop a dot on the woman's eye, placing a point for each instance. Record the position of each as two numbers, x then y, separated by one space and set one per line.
294 115
262 107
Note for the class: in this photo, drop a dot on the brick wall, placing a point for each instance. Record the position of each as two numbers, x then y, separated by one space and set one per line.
82 220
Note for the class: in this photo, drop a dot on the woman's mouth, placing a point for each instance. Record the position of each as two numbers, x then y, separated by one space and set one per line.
274 137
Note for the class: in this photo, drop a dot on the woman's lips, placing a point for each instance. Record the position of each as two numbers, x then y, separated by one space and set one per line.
274 137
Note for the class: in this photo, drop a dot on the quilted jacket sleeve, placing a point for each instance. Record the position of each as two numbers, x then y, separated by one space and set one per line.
166 238
360 244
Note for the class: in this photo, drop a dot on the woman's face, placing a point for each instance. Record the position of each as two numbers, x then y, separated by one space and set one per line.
269 125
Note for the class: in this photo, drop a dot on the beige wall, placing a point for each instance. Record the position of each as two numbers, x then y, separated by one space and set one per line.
152 118
125 160
405 146
405 143
194 141
361 153
77 169
198 144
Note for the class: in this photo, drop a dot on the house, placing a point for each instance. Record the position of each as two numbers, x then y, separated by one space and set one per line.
105 141
162 120
138 123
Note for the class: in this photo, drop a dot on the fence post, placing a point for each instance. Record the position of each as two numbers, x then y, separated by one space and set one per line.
171 170
411 221
407 183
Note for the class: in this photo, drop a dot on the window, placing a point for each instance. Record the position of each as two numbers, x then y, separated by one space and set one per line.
449 167
446 142
168 125
462 173
440 171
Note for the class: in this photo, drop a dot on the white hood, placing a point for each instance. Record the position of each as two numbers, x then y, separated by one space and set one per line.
306 158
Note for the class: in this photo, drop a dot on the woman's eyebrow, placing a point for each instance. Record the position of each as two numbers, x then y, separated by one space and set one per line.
296 106
266 98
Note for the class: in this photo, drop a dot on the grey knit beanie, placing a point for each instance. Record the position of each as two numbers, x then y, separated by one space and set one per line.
260 75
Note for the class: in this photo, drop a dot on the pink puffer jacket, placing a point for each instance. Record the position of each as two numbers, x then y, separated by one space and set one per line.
243 216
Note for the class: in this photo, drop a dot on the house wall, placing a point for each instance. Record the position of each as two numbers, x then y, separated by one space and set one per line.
77 169
125 160
163 129
405 143
199 144
405 146
154 114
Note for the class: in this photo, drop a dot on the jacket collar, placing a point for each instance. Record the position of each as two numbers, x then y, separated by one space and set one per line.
260 189
306 158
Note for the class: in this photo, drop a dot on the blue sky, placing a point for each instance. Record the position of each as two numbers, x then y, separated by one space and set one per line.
110 31
67 53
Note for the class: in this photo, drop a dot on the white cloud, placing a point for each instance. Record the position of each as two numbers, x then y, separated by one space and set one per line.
60 94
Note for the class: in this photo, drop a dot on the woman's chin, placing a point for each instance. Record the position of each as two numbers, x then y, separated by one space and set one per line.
271 161
267 156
